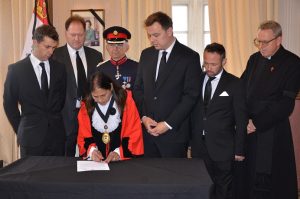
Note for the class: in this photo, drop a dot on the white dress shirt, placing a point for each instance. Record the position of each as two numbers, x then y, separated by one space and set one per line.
214 84
38 69
72 53
168 50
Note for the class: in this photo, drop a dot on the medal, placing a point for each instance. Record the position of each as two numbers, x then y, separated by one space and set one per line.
118 75
118 63
105 126
105 138
105 135
126 82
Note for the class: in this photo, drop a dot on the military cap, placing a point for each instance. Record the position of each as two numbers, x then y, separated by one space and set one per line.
116 34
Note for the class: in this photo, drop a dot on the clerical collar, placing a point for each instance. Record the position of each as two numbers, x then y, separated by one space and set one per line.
119 62
277 54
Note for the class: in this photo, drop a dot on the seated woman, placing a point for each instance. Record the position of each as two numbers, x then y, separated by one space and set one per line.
109 123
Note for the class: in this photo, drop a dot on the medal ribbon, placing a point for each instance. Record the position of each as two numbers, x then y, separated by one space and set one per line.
107 149
106 116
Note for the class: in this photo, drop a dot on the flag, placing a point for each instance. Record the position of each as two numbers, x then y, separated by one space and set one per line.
39 17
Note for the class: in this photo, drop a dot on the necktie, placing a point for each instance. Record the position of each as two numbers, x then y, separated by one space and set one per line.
207 92
44 79
81 78
163 62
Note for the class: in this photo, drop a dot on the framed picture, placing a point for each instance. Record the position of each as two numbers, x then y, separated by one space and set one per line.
94 28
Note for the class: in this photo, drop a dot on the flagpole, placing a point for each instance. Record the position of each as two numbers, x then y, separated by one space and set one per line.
35 11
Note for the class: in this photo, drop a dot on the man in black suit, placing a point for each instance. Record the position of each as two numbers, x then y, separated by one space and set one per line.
38 84
80 62
219 122
166 88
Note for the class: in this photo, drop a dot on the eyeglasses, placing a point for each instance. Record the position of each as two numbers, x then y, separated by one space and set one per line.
258 43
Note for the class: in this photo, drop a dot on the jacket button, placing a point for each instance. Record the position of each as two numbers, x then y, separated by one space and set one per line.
155 98
204 118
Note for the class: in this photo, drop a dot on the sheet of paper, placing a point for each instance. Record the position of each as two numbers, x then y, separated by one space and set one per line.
84 165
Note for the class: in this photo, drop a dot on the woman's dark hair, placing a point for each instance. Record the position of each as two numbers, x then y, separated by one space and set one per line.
101 80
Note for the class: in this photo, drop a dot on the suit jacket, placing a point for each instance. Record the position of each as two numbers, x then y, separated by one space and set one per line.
39 115
61 54
171 97
224 122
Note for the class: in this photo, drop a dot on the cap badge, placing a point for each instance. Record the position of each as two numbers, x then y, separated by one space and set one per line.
115 32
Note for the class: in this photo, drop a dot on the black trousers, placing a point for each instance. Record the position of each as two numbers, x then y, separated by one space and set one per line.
50 147
169 150
222 176
261 189
71 142
71 139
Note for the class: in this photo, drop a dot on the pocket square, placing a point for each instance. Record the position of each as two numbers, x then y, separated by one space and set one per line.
224 94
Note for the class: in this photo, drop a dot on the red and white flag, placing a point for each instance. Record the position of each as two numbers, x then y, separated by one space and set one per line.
39 17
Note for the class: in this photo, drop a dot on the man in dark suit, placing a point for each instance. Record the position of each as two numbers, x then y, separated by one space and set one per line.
272 77
219 122
38 84
80 62
166 89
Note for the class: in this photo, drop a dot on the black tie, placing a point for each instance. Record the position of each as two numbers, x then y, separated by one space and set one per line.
81 77
163 62
44 79
207 92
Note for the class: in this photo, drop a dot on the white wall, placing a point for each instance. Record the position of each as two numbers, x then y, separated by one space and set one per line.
289 18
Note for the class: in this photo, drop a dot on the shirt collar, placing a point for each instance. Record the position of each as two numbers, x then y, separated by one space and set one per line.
169 49
218 76
72 51
35 61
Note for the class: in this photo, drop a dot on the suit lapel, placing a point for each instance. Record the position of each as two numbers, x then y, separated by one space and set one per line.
220 87
32 80
171 63
52 78
201 88
71 80
153 64
89 62
31 75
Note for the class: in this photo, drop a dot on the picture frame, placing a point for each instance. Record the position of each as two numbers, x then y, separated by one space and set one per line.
94 28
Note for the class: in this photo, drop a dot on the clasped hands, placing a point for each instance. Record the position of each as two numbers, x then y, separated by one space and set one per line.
154 128
250 127
98 157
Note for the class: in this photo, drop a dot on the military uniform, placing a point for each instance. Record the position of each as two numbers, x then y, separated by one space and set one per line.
122 70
